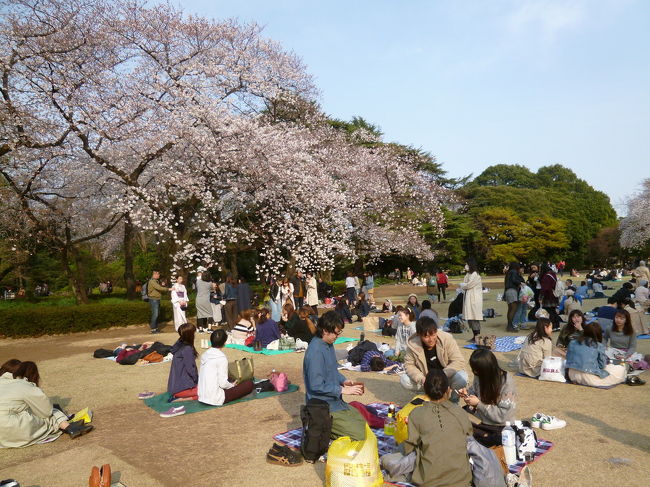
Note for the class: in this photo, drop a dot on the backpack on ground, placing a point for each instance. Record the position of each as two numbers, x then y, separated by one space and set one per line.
489 313
356 354
402 417
316 429
144 293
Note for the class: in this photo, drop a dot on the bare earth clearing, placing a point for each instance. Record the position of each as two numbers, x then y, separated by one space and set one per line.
227 446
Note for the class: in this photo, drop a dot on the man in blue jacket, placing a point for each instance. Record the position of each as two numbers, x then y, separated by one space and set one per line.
323 380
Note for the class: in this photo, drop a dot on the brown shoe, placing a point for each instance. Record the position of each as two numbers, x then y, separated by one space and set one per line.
105 472
95 478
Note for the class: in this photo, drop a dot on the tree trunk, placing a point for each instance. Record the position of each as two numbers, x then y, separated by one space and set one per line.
129 274
80 295
81 291
233 263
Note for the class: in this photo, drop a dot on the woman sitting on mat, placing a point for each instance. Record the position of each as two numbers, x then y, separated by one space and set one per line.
572 330
183 375
586 361
536 348
27 416
492 397
266 330
405 329
214 387
289 318
244 327
621 339
438 431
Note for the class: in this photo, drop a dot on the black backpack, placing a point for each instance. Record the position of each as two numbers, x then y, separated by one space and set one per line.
356 354
144 292
489 313
316 429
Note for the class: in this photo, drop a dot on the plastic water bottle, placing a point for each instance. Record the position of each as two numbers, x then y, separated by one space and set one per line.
390 424
508 442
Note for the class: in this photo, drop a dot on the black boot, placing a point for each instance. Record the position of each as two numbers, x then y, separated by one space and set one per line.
77 429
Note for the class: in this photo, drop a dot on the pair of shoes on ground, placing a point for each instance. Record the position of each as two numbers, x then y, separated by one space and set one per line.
100 477
77 429
283 455
546 422
173 411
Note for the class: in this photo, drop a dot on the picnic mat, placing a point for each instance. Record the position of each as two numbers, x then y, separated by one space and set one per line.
645 336
160 402
264 351
503 344
386 443
519 374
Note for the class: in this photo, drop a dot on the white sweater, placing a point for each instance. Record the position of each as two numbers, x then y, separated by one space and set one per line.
213 377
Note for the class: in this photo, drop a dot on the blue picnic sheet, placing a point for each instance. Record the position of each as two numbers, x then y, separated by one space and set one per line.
503 344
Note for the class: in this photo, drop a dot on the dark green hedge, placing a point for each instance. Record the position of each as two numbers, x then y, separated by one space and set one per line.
56 320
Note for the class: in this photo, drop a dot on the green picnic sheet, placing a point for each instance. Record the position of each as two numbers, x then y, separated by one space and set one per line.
160 402
265 351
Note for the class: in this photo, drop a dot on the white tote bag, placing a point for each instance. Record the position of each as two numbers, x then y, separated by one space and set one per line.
553 369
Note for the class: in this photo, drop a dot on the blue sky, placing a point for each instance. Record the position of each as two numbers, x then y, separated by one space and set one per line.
479 83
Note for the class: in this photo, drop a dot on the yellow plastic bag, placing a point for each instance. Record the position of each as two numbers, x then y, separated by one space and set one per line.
353 463
85 414
402 418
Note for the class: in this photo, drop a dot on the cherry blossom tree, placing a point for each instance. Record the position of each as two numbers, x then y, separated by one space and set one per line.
635 227
195 132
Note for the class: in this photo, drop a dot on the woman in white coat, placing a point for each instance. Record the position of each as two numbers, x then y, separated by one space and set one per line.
27 416
312 292
472 286
214 387
180 299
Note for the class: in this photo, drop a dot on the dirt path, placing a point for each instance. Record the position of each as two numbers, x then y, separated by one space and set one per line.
227 446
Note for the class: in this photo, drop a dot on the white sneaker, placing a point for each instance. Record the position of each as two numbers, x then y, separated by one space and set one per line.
536 420
553 423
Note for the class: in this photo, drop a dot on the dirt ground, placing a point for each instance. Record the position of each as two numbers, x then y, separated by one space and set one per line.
606 441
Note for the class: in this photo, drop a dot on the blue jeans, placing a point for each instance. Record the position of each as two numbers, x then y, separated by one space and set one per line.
521 315
276 310
155 311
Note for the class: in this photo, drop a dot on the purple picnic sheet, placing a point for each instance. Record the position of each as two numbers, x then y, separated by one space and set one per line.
386 443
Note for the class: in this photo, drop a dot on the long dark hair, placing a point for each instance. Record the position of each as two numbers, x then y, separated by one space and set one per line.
540 331
472 266
570 327
186 331
627 326
206 277
491 377
29 371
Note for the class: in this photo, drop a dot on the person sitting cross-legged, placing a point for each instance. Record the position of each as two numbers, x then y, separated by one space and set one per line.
431 348
323 381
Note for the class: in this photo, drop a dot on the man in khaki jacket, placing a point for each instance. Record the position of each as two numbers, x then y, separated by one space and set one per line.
432 348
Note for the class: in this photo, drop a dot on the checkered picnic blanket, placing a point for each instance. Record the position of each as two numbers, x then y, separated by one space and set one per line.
503 344
386 443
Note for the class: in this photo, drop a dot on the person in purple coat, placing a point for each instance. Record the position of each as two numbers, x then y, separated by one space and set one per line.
183 375
266 330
